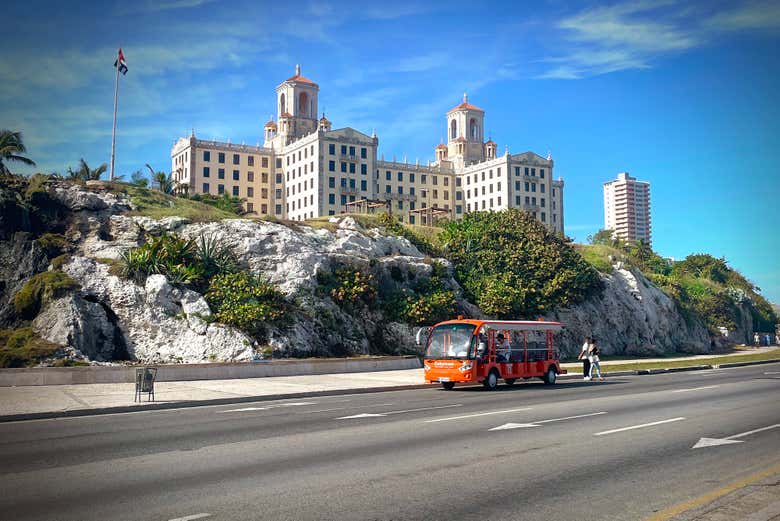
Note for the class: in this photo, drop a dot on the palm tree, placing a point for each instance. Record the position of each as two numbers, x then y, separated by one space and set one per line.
85 173
10 147
162 179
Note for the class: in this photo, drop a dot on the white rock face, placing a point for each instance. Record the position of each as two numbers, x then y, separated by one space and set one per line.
160 323
75 198
631 317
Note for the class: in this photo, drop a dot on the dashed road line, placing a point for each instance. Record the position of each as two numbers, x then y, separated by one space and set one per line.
274 406
388 413
695 389
476 415
632 427
192 517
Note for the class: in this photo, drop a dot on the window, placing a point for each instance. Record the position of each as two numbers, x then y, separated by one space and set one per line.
483 176
468 192
250 161
278 162
499 200
541 174
446 181
352 151
236 159
490 187
343 167
459 196
400 190
400 205
205 188
363 185
459 209
542 201
221 173
331 198
435 194
278 178
423 178
264 209
206 155
517 200
250 207
363 169
491 202
526 171
220 189
250 176
453 129
498 186
527 200
483 190
446 195
411 190
331 166
388 175
435 180
400 177
411 219
264 193
363 152
411 177
387 189
332 149
411 207
533 187
517 185
235 175
542 188
343 150
490 174
331 182
458 182
352 168
553 192
343 200
250 192
221 157
527 186
263 162
206 172
351 184
533 172
517 170
278 209
544 217
343 182
533 201
278 193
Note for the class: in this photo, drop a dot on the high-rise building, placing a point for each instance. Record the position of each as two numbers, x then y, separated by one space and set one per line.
307 169
627 208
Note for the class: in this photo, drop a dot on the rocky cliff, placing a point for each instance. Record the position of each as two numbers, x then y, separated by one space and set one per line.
109 317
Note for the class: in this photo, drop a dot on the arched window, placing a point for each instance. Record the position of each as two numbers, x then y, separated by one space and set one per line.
474 130
303 104
282 107
453 129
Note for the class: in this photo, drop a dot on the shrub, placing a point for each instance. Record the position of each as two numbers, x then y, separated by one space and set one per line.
429 308
511 264
53 244
348 286
393 226
246 302
22 348
39 290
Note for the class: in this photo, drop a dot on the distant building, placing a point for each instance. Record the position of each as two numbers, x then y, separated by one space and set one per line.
627 208
307 169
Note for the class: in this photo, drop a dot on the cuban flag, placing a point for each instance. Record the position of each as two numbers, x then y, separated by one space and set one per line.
120 62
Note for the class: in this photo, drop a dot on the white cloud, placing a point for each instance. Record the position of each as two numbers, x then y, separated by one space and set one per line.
754 15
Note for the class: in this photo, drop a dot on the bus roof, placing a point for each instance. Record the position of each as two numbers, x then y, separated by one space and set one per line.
538 325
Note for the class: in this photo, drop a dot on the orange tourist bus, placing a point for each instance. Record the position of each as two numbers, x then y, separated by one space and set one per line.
467 350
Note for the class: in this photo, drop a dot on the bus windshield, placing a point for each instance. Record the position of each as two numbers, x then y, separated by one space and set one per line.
450 341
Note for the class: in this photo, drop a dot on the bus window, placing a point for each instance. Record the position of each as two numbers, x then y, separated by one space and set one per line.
450 341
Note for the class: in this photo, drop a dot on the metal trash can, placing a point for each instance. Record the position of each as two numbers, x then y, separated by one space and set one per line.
144 383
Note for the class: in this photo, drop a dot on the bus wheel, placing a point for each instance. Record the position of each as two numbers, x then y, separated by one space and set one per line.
510 381
550 376
491 382
448 385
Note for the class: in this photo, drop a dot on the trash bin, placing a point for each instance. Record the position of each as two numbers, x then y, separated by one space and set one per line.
144 383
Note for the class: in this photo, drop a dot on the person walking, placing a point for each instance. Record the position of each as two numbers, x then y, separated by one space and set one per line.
756 339
595 361
584 356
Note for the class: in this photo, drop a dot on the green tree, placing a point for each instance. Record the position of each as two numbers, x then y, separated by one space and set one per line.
85 173
163 180
139 179
11 148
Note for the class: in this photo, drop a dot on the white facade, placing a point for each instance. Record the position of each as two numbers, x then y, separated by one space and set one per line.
313 170
627 208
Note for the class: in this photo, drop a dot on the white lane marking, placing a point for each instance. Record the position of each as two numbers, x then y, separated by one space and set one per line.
772 372
748 433
714 442
274 406
508 426
477 414
388 413
695 389
670 420
191 518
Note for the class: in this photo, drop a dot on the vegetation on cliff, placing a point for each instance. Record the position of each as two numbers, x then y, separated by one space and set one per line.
700 284
23 348
512 266
41 289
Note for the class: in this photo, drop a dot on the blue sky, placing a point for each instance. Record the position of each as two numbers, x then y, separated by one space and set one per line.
685 95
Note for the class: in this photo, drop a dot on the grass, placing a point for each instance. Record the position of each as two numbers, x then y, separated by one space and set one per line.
597 255
39 290
23 348
639 365
157 205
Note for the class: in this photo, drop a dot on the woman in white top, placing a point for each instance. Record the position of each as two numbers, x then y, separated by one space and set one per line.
594 361
584 353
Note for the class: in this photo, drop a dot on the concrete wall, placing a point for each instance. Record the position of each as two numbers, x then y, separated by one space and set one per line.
220 371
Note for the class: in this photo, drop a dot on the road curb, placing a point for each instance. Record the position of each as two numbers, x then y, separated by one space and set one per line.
157 406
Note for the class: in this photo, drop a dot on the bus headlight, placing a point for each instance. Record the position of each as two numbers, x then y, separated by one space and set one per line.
426 367
465 367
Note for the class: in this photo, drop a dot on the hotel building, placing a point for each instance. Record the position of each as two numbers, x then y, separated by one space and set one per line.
627 208
307 169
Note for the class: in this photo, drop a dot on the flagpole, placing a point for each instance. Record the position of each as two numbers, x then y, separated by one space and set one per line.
113 131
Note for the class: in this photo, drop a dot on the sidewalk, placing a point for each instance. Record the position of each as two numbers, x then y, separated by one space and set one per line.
47 401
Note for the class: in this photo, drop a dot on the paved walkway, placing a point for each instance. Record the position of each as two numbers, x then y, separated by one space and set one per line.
58 400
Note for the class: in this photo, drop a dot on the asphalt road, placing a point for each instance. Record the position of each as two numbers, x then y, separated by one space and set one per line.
619 449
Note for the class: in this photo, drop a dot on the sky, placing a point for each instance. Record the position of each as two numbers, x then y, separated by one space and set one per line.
684 95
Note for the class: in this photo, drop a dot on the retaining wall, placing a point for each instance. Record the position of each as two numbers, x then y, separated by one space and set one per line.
211 371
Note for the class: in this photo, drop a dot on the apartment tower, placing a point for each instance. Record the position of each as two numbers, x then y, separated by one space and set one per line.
627 208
